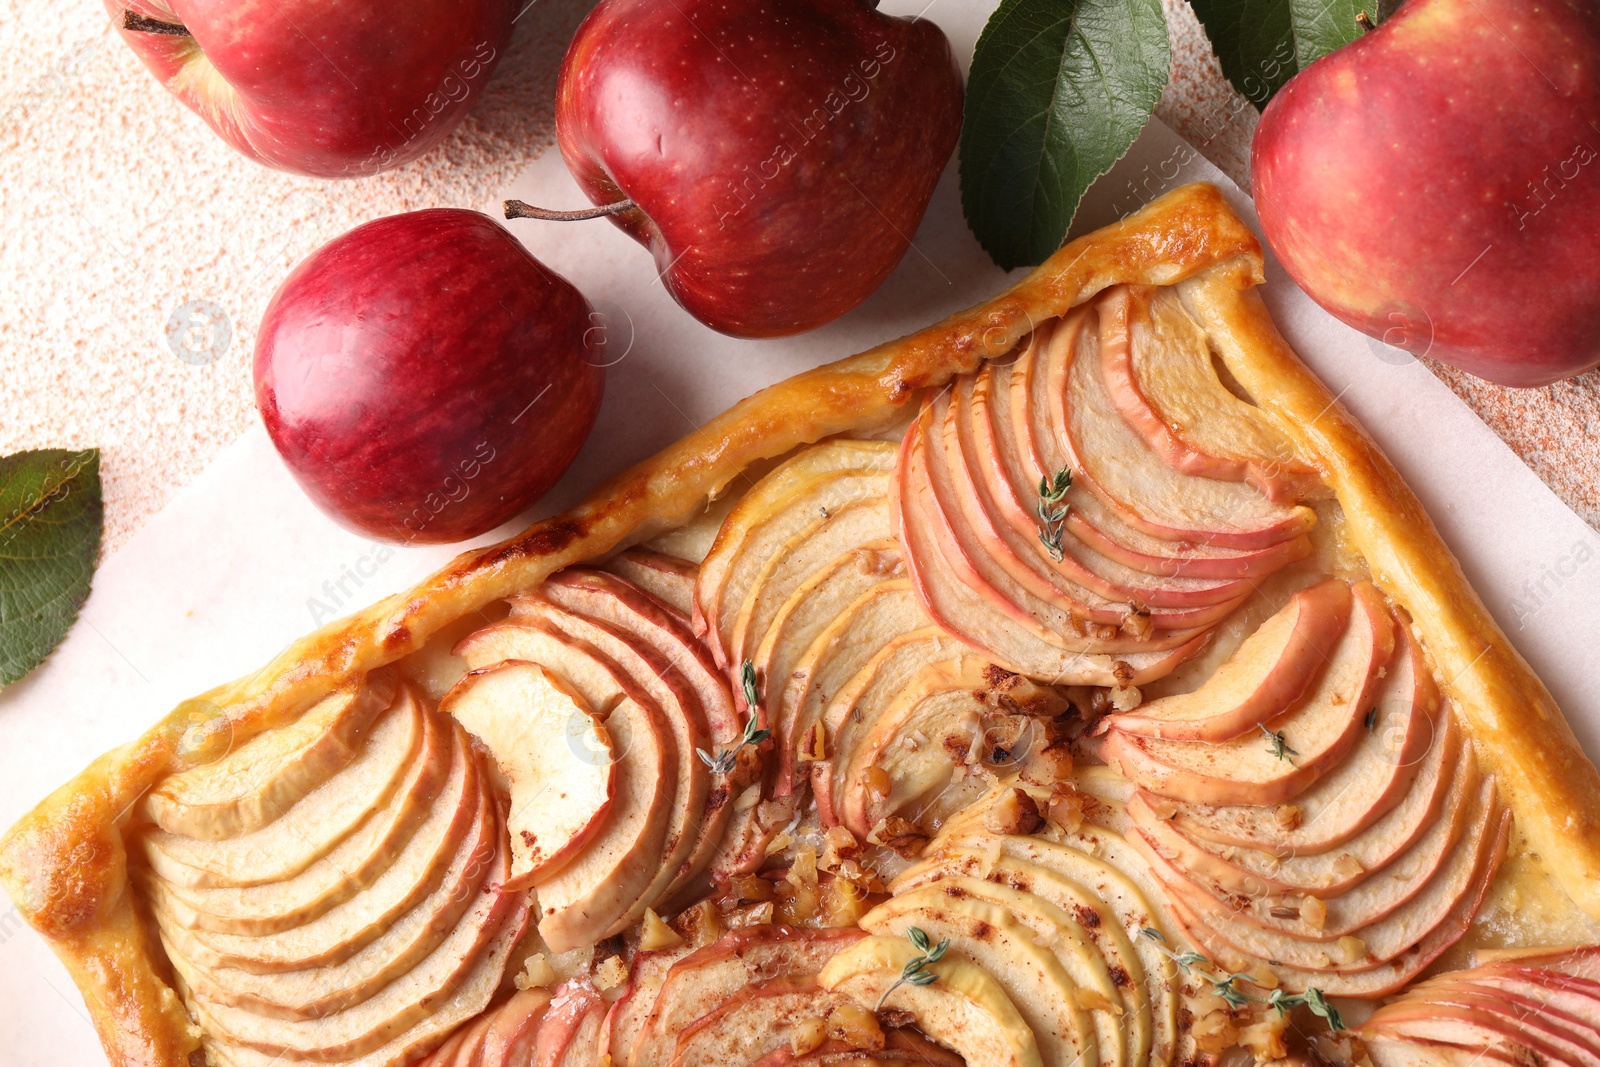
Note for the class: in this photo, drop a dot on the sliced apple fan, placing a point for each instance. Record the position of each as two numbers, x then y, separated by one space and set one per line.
888 628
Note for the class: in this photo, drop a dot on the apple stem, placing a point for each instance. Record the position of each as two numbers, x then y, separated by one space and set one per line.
516 209
1364 20
132 20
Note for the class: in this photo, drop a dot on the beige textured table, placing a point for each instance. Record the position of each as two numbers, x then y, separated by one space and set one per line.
120 212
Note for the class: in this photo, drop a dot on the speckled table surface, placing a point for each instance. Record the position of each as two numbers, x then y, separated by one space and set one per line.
123 216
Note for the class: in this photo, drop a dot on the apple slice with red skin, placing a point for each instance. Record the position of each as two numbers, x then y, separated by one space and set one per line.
1400 846
465 1047
1013 559
642 661
808 612
1409 731
899 1046
950 599
754 1022
705 978
1317 733
1368 895
1569 1037
601 891
630 1012
1470 1022
1163 381
886 610
781 504
1270 671
624 608
1575 1010
565 1021
1581 964
1116 465
1412 937
510 1039
1004 503
927 513
561 794
1386 1051
667 578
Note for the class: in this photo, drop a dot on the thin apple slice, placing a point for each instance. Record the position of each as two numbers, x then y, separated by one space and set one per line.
833 532
416 830
314 826
421 894
455 964
1148 1028
1042 956
1380 958
899 1046
261 779
1271 670
1482 1022
565 1022
1260 768
630 1013
1385 1051
964 1009
1406 751
863 696
667 578
621 606
561 791
1403 847
810 609
754 1022
467 1050
1003 501
422 1025
513 1028
949 597
1549 1030
1160 374
927 730
696 983
825 476
602 890
465 892
1118 467
881 613
639 658
1575 1013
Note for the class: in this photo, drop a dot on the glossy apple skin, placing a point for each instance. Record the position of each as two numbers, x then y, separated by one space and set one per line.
1453 131
425 378
326 89
781 152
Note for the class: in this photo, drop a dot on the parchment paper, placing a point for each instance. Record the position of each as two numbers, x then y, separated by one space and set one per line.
240 563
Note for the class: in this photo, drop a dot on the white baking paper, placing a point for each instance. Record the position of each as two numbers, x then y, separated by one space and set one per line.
239 563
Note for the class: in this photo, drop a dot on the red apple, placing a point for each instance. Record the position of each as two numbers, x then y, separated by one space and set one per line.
331 90
778 154
1436 184
425 378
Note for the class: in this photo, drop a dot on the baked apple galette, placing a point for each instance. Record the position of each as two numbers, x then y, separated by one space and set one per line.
1071 684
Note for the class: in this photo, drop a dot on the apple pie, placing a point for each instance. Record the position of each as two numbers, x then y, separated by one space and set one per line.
1069 684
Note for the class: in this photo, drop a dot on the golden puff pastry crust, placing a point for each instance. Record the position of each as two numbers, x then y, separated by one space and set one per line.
65 863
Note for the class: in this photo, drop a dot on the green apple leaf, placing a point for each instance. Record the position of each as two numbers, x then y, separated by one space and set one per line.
1058 92
1263 43
50 516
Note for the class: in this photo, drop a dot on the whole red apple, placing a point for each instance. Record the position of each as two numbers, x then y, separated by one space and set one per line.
331 90
778 154
1436 184
425 378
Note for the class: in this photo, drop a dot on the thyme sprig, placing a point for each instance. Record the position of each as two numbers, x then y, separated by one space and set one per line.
1226 986
725 761
1052 512
916 972
1279 747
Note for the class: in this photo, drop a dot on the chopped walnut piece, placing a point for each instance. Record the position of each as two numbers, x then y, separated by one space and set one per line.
1137 623
700 924
1126 697
1214 1032
655 934
1067 805
902 835
1014 813
807 1035
1265 1037
536 973
1123 672
1288 816
1313 912
855 1026
611 973
838 844
1347 866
